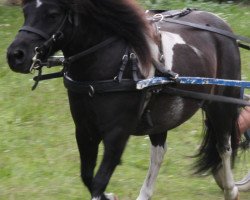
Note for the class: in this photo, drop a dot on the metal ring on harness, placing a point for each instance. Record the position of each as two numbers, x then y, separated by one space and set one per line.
91 91
36 63
158 17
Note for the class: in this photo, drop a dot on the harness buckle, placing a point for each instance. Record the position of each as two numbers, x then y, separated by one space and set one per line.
125 58
91 91
57 36
36 63
134 61
158 17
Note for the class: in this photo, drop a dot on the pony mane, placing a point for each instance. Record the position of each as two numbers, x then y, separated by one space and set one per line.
123 18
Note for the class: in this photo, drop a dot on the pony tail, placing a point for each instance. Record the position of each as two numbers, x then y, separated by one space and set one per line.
208 158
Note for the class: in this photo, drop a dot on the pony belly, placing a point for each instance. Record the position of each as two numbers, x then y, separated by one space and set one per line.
167 112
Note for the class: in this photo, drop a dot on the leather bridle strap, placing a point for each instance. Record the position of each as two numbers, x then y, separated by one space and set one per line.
41 33
36 31
209 28
93 49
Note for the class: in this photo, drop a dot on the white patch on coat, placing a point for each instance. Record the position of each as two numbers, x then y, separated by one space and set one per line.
96 198
157 155
169 40
155 55
109 196
38 3
230 189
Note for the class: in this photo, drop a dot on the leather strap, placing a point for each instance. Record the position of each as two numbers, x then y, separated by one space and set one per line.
208 28
90 50
36 31
128 85
92 87
204 96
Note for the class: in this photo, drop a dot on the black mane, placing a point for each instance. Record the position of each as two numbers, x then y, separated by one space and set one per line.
123 18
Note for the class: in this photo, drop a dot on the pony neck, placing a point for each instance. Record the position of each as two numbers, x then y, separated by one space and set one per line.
101 64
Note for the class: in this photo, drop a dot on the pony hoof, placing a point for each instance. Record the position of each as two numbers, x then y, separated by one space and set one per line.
237 197
111 196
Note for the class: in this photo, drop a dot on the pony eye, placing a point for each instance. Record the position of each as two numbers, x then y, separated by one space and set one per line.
53 15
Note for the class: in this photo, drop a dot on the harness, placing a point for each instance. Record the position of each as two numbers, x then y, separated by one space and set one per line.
173 17
118 83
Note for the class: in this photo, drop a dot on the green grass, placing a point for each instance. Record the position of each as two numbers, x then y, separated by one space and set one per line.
38 154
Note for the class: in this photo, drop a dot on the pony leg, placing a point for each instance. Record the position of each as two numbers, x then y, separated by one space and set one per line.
158 150
218 177
217 150
114 145
108 196
88 149
230 189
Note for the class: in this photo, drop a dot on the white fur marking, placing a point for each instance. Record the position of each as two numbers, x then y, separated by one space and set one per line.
96 198
38 3
230 190
155 53
109 196
157 155
169 40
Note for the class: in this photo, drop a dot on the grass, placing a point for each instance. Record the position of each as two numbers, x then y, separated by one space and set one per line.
38 154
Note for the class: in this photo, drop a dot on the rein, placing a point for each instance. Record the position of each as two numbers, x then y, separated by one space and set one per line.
67 62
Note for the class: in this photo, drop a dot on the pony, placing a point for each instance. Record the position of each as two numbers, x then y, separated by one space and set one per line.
115 40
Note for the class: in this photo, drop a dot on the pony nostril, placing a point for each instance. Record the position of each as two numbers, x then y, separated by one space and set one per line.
18 54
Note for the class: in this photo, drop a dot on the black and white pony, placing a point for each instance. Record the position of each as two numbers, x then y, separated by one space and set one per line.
101 40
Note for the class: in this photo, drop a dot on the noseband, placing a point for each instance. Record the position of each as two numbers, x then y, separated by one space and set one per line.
35 31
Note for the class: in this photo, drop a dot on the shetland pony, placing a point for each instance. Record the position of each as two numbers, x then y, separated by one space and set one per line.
125 33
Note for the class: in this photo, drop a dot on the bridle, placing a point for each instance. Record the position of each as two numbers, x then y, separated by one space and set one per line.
44 50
